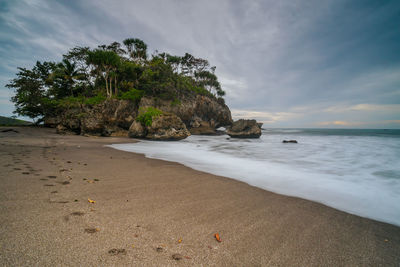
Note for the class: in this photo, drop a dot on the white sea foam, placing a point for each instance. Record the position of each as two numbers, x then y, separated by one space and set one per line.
357 174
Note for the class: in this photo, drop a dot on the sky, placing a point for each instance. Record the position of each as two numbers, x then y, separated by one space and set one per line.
287 63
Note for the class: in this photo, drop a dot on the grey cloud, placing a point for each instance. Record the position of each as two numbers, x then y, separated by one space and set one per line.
275 57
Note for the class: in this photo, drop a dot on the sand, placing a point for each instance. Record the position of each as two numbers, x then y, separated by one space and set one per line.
156 213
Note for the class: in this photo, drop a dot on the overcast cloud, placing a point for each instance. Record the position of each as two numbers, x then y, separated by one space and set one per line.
291 63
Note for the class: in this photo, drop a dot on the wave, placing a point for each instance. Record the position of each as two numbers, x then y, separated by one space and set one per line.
332 170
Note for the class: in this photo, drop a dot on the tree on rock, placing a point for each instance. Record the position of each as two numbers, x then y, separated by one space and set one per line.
106 63
137 49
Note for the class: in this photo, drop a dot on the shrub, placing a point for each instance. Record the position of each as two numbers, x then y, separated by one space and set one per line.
175 102
70 102
100 98
146 116
133 95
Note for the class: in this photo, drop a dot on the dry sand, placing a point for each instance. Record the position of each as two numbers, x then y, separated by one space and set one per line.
144 206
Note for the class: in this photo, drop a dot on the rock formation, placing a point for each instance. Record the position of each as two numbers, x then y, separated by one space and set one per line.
200 114
244 129
163 127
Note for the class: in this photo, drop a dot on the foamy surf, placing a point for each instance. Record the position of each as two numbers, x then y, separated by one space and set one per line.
356 173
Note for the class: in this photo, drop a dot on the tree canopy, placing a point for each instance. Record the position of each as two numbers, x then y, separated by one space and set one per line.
110 71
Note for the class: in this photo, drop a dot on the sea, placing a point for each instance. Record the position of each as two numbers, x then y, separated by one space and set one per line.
353 170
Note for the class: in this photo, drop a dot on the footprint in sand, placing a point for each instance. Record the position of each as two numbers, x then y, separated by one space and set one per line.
91 230
117 251
77 213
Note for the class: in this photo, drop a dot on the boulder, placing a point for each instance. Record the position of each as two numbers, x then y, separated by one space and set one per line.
137 130
244 129
92 122
167 127
51 121
289 141
202 128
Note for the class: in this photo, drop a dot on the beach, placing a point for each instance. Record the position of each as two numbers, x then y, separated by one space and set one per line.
149 212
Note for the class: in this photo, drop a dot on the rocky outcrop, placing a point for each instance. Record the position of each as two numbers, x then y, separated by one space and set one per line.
163 127
244 129
137 130
108 118
52 121
202 128
201 112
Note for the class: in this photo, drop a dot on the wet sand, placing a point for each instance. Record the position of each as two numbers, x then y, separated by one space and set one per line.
156 213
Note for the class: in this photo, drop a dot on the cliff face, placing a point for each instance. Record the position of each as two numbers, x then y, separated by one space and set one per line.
194 111
114 117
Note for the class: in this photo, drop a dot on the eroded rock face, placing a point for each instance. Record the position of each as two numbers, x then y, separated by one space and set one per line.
163 127
202 128
244 129
195 111
200 114
137 130
167 127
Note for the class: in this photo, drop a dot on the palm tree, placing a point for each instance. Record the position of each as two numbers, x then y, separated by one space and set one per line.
106 64
137 49
68 72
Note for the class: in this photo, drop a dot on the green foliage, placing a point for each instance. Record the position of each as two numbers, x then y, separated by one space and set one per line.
175 102
88 76
71 102
137 49
98 99
30 89
133 95
146 116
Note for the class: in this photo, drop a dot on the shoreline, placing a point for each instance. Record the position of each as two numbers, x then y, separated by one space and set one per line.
144 204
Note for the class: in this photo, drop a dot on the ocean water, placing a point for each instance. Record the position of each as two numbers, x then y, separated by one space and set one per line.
357 171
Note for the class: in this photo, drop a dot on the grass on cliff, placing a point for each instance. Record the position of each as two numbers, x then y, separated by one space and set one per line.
133 95
146 116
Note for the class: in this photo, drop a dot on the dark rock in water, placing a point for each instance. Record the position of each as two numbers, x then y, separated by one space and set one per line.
163 127
244 129
289 141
